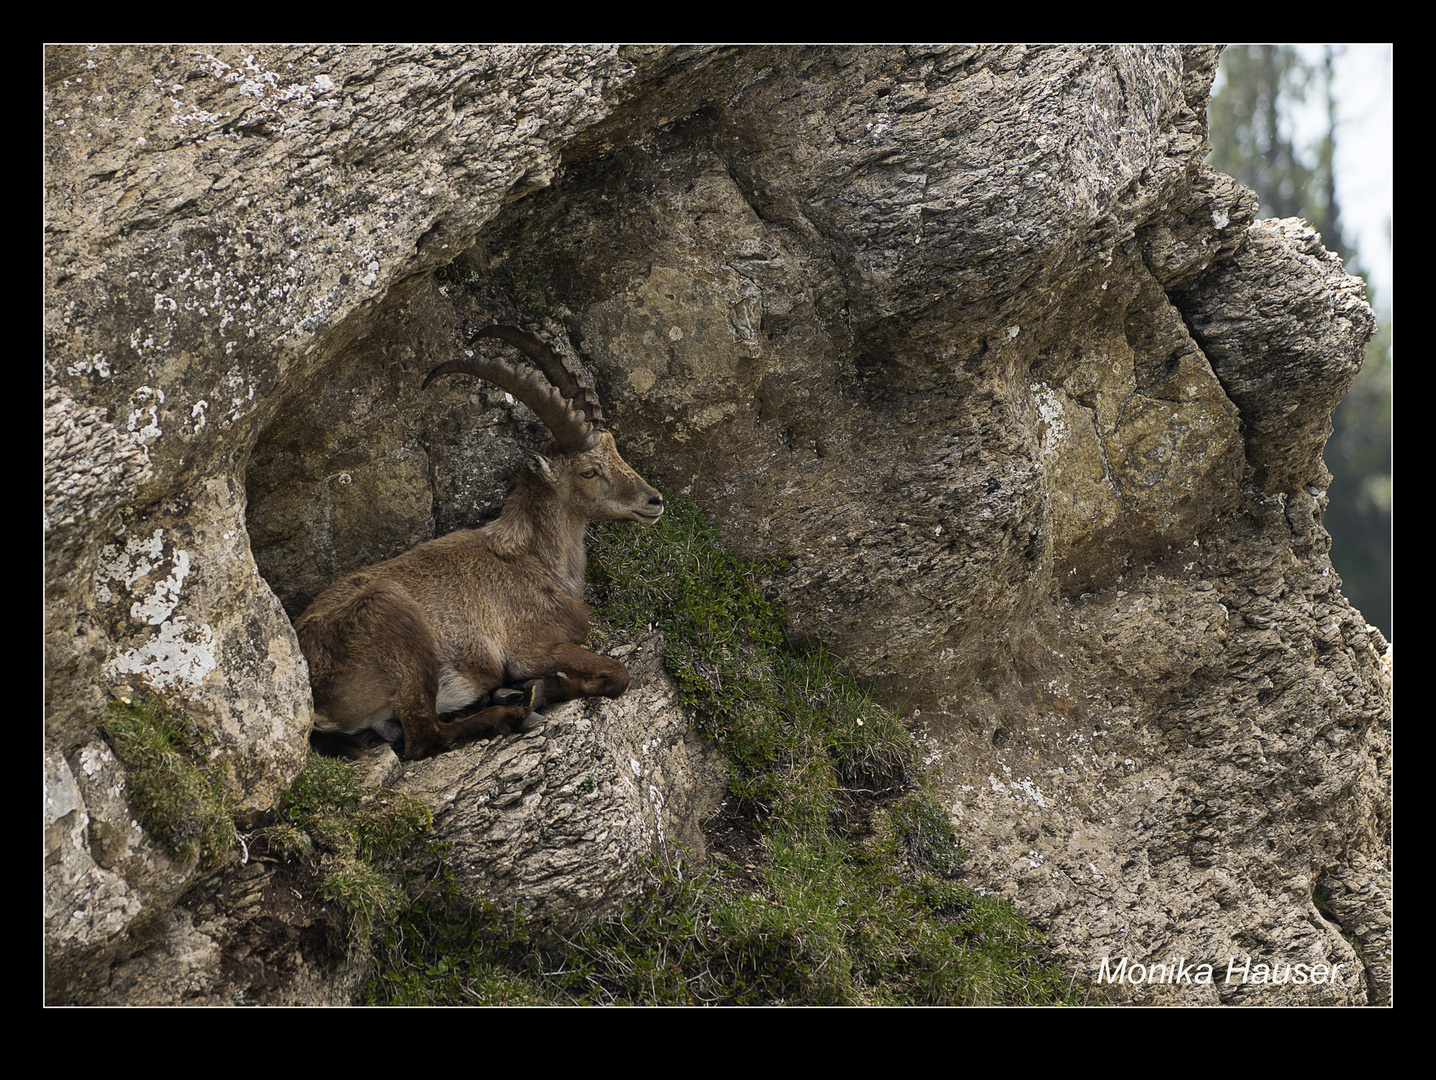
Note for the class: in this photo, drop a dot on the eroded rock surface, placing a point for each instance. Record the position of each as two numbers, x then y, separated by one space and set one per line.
557 820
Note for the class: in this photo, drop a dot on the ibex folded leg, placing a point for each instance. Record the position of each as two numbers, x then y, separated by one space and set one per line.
580 673
485 724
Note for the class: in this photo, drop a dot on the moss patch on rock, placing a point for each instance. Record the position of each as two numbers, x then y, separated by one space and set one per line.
174 788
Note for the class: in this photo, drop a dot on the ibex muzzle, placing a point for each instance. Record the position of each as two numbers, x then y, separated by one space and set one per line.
490 619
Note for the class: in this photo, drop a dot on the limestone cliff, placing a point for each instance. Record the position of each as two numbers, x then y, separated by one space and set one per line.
1027 403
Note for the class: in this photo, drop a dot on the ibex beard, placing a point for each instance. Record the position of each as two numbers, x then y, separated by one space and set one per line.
492 619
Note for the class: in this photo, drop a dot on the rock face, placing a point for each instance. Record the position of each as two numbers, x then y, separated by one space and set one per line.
1027 401
555 821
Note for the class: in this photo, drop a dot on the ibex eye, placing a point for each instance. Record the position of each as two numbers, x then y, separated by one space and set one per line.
589 474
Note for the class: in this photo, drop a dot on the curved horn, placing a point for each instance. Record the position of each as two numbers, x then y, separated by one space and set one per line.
571 425
555 365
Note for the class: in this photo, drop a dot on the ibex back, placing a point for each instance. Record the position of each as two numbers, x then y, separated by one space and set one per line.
488 619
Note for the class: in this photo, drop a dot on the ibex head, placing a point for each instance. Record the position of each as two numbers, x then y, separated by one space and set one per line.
582 464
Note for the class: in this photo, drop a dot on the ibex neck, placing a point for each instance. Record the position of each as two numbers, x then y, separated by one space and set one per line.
535 524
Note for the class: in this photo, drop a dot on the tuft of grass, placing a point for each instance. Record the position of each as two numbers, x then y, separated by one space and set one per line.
442 951
344 834
530 294
173 787
923 835
368 896
825 927
858 901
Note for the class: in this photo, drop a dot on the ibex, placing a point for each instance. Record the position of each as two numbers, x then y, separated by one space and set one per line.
489 618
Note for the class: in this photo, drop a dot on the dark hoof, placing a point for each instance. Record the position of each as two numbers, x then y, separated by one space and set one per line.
530 695
537 698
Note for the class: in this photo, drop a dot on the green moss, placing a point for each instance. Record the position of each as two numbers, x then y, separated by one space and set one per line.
802 737
858 901
328 804
173 787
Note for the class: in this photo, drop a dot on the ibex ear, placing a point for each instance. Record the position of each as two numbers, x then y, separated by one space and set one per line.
542 466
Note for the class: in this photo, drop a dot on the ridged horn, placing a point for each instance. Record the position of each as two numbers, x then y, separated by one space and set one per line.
559 398
555 365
